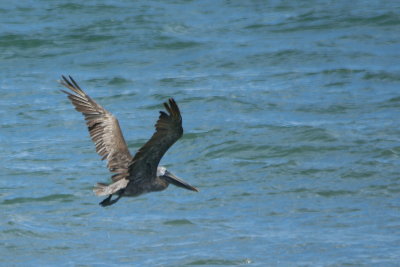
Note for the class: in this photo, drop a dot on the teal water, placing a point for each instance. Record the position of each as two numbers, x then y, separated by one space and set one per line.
290 111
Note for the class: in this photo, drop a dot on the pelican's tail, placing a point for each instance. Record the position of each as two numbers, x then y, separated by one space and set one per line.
101 189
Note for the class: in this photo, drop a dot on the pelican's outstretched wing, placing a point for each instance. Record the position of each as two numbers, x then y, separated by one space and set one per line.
103 128
168 131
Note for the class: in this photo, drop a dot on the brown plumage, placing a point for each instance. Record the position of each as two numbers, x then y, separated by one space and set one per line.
132 175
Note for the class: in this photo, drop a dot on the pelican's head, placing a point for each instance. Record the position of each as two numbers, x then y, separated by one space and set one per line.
164 174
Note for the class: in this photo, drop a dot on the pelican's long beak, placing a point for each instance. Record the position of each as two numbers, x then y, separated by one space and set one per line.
171 178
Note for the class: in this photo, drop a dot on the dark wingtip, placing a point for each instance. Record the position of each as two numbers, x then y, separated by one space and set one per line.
65 79
166 106
172 103
175 109
75 83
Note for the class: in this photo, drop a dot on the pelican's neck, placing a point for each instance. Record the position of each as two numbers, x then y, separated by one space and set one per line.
161 171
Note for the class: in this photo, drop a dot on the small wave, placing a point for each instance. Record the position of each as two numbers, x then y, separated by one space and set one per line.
21 233
335 193
21 41
224 262
54 197
382 76
178 222
176 45
119 81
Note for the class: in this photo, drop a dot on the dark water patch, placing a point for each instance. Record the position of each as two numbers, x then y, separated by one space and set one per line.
315 134
257 152
278 57
395 99
300 190
22 41
176 45
388 153
341 225
336 84
244 194
275 213
55 248
178 222
394 189
290 75
119 81
255 26
284 151
381 188
346 210
29 172
189 99
20 233
71 6
313 20
232 149
393 102
288 28
83 214
288 53
359 174
386 19
335 193
331 109
313 171
176 82
26 115
307 210
249 162
117 97
382 76
342 72
89 9
229 65
231 100
216 262
358 36
39 110
311 16
49 198
96 81
99 64
91 37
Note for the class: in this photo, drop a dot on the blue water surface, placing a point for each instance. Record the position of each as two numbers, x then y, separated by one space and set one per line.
291 119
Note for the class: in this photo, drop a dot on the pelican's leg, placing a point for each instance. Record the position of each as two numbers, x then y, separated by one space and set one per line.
108 202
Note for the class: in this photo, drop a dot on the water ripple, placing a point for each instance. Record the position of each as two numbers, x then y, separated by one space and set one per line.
54 197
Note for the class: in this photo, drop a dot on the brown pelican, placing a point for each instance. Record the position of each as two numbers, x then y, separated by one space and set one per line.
133 175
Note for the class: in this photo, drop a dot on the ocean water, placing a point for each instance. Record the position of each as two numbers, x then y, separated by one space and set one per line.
291 118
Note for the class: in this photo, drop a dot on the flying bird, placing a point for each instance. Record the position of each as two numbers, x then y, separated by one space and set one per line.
135 175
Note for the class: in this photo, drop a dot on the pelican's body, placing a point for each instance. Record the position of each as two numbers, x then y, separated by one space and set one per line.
133 175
